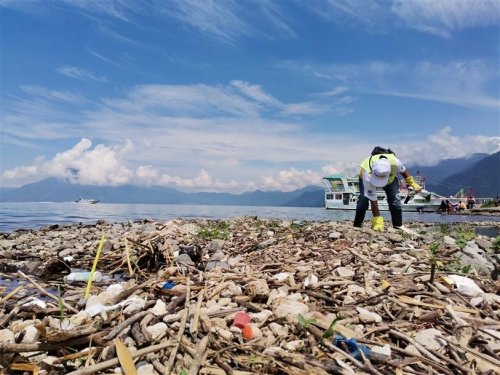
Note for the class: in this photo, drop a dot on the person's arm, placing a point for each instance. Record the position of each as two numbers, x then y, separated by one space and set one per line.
410 181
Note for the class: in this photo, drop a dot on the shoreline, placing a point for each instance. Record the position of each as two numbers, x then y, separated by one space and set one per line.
388 288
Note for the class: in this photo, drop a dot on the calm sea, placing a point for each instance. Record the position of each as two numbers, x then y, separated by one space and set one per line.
35 215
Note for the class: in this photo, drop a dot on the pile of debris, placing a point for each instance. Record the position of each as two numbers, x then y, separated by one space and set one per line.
248 296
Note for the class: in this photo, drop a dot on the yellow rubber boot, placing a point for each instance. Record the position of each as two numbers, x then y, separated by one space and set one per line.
378 223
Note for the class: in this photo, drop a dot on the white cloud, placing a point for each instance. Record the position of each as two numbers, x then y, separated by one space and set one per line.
445 145
81 164
200 137
465 83
121 9
211 18
53 95
439 17
256 93
106 166
112 165
290 179
443 17
80 73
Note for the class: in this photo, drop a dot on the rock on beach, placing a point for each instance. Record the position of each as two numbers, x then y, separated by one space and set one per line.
316 295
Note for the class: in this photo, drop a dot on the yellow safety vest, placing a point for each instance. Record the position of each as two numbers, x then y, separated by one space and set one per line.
368 162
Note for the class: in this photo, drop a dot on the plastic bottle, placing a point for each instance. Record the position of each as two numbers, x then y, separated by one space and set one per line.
83 276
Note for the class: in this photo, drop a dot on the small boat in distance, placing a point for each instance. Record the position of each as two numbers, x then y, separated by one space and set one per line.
89 201
341 193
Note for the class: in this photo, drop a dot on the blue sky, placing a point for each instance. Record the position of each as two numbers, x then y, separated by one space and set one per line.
237 95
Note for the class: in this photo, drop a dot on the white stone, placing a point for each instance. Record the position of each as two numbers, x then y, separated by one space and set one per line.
6 335
294 345
355 289
224 301
258 289
311 281
385 350
429 338
235 330
31 334
231 290
157 331
278 329
144 368
261 316
160 308
344 272
224 333
289 309
334 235
135 304
366 316
171 318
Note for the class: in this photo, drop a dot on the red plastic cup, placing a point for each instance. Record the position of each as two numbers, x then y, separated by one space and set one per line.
241 319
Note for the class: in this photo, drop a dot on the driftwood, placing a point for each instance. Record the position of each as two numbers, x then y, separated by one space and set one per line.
305 288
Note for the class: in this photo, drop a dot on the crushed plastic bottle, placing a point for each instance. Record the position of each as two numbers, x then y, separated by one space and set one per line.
355 349
82 277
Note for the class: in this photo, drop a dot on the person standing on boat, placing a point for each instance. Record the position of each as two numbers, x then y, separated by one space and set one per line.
380 170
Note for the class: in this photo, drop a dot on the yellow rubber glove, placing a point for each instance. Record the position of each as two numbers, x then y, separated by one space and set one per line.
410 181
378 223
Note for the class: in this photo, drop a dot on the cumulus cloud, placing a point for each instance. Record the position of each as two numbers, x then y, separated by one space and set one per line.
107 166
201 137
445 145
111 165
81 164
290 179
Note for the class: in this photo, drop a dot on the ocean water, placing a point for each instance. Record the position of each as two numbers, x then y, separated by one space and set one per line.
35 215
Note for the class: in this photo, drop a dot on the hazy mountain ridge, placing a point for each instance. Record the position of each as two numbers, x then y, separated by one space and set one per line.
54 190
479 171
482 179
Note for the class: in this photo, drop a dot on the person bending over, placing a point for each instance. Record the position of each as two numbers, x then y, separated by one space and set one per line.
381 170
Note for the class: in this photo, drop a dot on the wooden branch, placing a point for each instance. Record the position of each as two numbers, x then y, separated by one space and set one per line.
193 327
47 294
198 357
173 353
126 323
91 370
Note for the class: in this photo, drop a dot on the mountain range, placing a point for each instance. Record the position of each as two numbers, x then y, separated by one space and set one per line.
479 174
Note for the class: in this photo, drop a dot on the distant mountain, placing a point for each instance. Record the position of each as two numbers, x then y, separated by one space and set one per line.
482 178
436 174
480 172
54 190
312 198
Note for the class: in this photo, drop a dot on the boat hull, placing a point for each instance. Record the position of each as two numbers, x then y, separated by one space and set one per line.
429 207
342 193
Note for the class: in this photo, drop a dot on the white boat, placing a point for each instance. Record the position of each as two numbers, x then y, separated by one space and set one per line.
341 193
89 201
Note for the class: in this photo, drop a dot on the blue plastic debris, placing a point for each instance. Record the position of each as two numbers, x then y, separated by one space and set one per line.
168 285
352 347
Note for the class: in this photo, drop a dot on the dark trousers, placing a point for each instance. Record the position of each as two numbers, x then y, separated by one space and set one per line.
391 191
